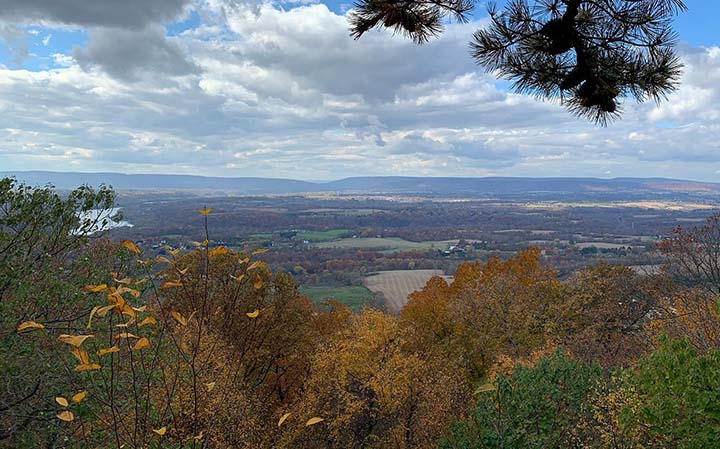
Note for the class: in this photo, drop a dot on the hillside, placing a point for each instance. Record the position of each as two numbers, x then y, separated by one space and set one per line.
440 186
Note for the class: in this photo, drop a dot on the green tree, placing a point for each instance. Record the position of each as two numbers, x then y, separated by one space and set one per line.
679 397
45 256
533 408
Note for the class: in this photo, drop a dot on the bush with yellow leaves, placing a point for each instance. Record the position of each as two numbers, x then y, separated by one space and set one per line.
194 350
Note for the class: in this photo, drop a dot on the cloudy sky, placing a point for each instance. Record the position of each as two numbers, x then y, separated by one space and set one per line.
245 88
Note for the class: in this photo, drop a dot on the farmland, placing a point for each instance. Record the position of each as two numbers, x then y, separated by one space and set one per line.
390 244
322 236
395 286
331 243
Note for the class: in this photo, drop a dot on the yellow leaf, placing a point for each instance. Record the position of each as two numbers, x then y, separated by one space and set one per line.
116 300
239 278
161 431
172 284
313 421
174 252
125 335
87 367
66 416
205 211
102 311
92 314
124 281
81 355
29 325
141 344
163 259
283 418
99 311
179 318
258 283
254 314
131 246
218 251
259 251
95 288
122 289
147 321
62 401
74 340
256 264
79 396
245 260
183 272
125 325
108 351
210 386
140 309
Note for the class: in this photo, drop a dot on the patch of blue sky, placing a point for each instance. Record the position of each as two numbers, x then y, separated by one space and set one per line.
698 25
338 6
41 44
192 21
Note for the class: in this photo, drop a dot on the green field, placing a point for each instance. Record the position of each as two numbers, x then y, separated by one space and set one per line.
390 244
322 236
355 297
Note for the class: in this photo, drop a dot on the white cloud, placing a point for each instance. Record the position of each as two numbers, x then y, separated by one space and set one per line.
262 91
698 98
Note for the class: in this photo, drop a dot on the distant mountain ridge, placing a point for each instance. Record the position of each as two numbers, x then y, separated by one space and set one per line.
374 184
120 181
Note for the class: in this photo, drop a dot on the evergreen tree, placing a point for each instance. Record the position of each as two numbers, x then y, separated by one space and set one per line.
589 54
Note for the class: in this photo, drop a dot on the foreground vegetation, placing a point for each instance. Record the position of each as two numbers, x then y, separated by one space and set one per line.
353 297
102 346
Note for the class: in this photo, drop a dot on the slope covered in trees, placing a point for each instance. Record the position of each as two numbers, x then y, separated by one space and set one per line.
103 347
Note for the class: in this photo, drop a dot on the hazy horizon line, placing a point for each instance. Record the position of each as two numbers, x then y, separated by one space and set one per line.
321 181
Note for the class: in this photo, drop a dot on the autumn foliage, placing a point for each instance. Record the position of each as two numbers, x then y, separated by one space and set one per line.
209 348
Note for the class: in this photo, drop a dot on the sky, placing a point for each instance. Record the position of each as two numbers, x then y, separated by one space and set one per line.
252 88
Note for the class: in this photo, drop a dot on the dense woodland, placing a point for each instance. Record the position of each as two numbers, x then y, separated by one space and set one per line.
104 347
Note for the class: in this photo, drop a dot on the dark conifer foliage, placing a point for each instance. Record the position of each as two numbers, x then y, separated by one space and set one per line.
419 20
589 54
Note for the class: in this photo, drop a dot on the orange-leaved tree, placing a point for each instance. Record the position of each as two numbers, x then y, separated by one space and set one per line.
492 308
372 393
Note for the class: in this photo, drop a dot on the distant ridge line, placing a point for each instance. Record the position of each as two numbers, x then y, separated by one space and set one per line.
376 184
